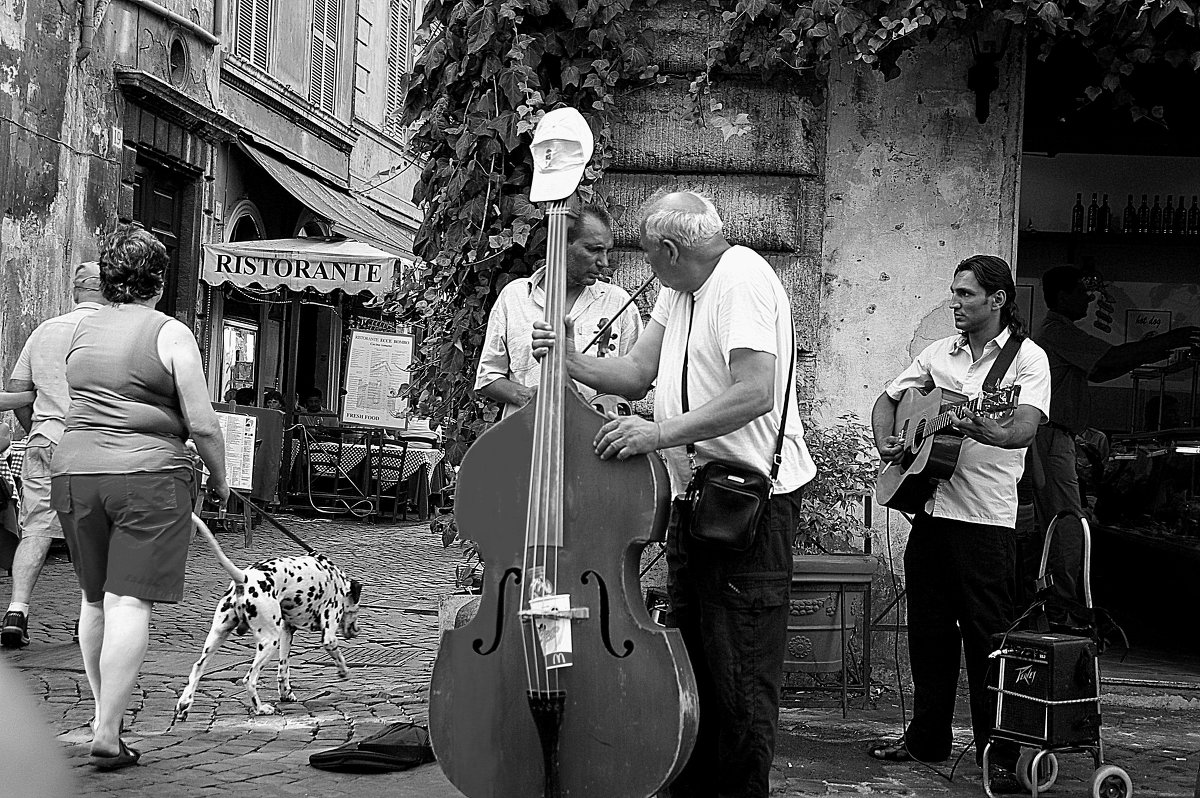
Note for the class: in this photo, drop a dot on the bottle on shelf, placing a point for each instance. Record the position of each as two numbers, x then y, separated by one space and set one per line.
1168 226
1155 217
1104 217
1077 215
1143 217
1180 217
1193 218
1093 211
1129 218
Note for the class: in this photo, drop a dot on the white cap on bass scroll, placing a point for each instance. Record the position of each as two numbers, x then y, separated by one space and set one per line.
562 146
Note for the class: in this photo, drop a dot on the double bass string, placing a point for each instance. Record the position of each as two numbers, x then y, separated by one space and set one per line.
544 516
556 252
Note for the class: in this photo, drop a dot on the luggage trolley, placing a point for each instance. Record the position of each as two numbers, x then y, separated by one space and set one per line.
1048 697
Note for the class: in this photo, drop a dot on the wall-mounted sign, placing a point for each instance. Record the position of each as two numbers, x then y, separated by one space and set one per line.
1142 324
377 379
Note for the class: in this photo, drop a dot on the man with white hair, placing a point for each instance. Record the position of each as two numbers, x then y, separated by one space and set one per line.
722 315
42 367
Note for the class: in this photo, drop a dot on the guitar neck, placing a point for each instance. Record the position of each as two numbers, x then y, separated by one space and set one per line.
943 421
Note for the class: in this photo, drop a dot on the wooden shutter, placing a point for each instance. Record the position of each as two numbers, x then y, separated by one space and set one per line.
251 31
399 62
323 70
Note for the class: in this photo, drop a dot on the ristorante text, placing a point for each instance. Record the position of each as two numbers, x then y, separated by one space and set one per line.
308 270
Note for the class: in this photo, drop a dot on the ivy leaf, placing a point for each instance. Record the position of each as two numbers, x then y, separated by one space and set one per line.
569 7
571 76
506 126
481 29
1050 12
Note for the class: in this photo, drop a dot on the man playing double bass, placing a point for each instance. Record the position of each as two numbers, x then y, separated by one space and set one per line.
508 373
724 307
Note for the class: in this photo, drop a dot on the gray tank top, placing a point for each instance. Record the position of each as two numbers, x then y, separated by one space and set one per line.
125 415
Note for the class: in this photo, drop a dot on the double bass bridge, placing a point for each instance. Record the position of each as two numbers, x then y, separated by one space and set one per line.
571 614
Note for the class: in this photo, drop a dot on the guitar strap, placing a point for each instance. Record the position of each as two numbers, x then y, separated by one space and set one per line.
1003 360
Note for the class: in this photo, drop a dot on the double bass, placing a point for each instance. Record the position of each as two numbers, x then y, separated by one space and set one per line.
562 686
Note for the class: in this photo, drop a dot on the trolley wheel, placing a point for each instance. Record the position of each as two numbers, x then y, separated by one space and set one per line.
1047 770
1110 781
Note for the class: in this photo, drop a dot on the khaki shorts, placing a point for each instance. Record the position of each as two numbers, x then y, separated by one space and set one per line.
128 533
38 519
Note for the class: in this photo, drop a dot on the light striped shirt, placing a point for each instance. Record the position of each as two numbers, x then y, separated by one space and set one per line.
508 347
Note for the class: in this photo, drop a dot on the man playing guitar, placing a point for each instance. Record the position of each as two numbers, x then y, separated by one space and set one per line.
959 562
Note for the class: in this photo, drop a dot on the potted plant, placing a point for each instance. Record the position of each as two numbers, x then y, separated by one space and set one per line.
458 608
831 576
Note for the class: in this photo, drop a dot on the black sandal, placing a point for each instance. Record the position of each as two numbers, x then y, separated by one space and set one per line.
890 751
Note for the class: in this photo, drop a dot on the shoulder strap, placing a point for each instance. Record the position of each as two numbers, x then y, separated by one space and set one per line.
1003 361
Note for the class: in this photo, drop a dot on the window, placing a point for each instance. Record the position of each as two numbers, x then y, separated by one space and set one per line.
400 13
323 70
251 31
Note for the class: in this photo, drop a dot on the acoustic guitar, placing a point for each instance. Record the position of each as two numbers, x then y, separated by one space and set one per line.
931 445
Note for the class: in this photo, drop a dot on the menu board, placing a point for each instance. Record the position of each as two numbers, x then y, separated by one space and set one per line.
239 431
377 380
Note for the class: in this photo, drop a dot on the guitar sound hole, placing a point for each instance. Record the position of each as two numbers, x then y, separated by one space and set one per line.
919 435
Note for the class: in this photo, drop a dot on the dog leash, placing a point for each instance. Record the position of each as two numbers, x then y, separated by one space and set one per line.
274 522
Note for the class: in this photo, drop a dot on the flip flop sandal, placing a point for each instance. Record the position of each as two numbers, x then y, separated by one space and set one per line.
890 751
126 758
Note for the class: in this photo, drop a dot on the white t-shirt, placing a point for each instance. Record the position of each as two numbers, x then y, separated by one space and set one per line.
742 305
983 488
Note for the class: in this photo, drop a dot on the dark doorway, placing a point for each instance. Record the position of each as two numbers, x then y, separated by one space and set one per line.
157 206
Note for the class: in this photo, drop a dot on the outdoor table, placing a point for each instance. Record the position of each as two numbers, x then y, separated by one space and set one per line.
10 466
389 463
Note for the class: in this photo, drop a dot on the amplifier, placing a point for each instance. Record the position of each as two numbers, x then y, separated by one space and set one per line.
1047 689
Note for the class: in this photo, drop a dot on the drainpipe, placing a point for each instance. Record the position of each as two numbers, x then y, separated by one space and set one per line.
219 17
198 31
87 31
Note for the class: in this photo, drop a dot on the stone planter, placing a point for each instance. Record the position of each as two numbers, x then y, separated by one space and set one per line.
828 594
457 609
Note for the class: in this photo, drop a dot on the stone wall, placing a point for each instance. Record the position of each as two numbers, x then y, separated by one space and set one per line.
914 184
768 184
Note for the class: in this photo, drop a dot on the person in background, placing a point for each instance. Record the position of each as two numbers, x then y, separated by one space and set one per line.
42 367
121 477
731 608
1077 359
508 373
960 561
230 395
311 411
245 396
273 400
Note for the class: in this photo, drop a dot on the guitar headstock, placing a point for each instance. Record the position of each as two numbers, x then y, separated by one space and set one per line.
998 402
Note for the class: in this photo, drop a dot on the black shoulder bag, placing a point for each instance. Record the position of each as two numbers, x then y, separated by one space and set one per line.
727 500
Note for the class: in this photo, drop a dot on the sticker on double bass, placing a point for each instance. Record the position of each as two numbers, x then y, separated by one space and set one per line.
553 624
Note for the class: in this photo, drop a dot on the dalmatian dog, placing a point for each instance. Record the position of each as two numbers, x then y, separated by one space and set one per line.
273 598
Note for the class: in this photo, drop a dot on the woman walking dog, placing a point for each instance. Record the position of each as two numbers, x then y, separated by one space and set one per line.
122 477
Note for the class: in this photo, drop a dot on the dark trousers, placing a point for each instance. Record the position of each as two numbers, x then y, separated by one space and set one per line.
960 579
732 610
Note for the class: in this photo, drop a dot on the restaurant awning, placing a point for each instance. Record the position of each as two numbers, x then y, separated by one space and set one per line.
349 217
299 263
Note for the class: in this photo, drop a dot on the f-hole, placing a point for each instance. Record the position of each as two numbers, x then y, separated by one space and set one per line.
602 593
477 645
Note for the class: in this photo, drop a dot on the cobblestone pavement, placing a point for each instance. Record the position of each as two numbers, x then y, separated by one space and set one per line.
222 750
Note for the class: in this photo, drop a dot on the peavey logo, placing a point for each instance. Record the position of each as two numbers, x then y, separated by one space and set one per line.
1025 675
